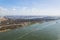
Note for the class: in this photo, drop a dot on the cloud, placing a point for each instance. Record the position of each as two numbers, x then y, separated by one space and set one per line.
47 11
30 11
3 11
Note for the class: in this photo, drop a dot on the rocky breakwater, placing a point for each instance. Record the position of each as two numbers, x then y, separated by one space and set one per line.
9 24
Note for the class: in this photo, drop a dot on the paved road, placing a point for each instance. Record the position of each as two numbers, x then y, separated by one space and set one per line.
44 31
10 25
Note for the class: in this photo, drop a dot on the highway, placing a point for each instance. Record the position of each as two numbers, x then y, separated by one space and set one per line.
11 25
44 31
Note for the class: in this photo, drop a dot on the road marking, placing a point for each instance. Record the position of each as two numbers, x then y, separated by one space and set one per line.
35 30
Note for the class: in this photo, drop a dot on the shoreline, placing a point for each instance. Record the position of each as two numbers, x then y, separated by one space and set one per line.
5 30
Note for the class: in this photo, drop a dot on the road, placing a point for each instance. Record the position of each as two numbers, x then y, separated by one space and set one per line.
44 31
10 25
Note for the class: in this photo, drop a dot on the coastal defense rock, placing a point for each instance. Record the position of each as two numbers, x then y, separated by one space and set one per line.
3 19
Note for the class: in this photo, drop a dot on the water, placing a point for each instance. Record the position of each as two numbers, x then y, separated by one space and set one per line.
45 31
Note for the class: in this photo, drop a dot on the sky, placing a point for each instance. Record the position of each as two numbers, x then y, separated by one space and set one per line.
30 7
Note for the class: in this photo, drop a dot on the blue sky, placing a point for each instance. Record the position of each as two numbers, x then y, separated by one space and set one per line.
30 7
18 3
